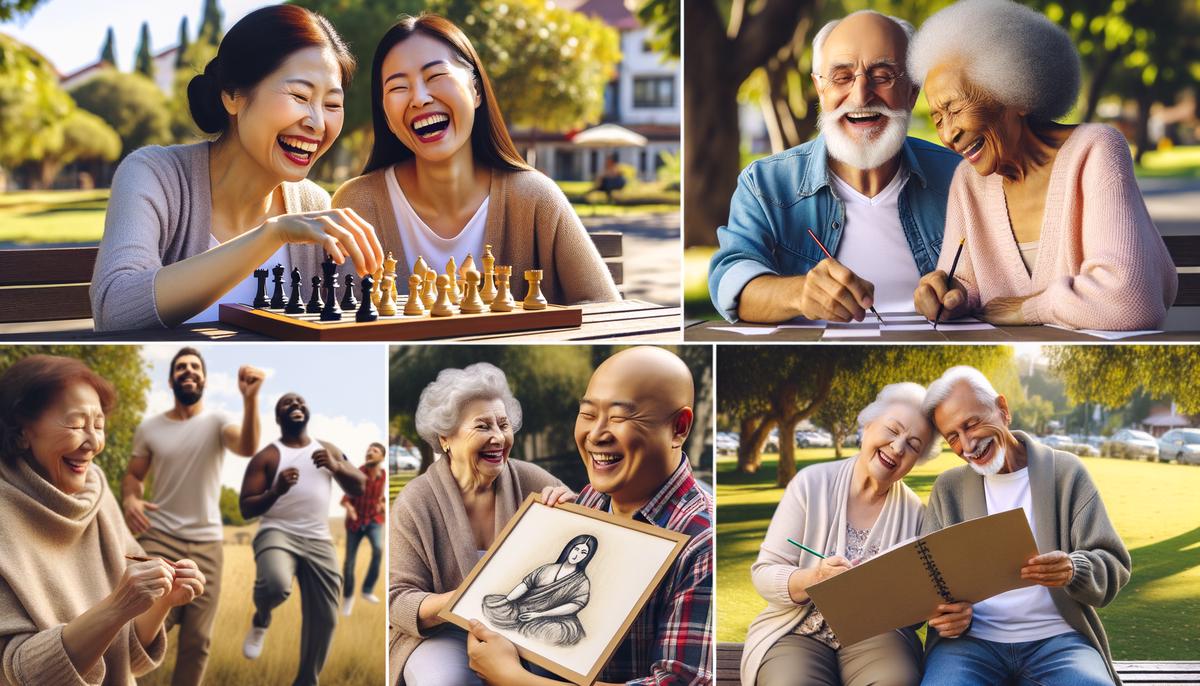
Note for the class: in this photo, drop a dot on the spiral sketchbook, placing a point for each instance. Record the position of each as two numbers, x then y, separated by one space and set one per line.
973 561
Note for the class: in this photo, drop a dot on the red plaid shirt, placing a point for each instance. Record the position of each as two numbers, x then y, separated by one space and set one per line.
369 505
670 642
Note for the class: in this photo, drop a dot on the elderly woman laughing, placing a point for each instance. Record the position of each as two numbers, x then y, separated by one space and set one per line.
848 510
1056 230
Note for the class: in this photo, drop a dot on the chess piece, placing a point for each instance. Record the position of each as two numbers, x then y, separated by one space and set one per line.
427 288
389 266
260 295
442 307
452 282
487 291
315 303
349 302
414 307
387 303
468 265
420 267
471 302
366 309
377 278
503 302
534 300
331 312
295 303
277 294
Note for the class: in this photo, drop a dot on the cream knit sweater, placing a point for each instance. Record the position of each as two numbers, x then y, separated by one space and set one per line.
59 556
1101 264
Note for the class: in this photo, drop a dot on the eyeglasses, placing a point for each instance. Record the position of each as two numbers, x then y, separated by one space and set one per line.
878 78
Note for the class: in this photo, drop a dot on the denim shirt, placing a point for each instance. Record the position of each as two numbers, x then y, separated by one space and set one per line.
779 197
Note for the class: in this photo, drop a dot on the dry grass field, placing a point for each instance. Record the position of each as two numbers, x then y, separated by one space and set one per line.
357 657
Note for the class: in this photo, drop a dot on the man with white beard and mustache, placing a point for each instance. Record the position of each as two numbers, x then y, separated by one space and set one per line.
1047 633
873 196
183 449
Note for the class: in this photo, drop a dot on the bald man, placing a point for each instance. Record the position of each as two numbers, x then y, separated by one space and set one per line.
633 421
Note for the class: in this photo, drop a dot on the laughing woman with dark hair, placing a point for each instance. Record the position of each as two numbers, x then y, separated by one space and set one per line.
188 224
445 180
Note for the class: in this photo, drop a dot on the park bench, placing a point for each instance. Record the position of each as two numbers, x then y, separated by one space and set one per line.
49 284
729 659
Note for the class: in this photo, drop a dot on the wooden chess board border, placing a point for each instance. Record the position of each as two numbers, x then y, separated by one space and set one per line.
290 328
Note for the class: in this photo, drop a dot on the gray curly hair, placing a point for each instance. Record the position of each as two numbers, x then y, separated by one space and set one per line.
438 410
905 393
1013 53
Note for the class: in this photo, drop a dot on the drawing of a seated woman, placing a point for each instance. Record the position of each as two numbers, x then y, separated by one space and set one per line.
546 603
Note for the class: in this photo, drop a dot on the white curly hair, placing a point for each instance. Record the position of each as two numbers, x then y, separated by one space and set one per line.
819 39
439 409
962 374
904 393
1012 52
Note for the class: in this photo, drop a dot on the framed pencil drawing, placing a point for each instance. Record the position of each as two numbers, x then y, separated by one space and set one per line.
565 584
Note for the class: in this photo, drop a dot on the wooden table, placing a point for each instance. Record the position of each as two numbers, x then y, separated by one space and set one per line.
626 321
705 331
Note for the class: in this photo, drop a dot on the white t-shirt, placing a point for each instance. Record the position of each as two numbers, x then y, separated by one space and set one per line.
185 465
420 240
873 245
245 290
304 510
1023 614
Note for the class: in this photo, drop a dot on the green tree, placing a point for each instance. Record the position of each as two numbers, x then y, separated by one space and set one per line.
84 136
122 365
183 42
131 104
108 51
194 59
144 60
1112 375
12 9
210 24
231 511
32 105
663 17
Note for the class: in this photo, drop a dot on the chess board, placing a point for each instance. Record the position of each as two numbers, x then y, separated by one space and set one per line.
309 327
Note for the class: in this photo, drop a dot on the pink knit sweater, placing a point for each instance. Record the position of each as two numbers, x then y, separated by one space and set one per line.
1101 263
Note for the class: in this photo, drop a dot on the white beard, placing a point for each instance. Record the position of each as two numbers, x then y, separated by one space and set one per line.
994 465
868 152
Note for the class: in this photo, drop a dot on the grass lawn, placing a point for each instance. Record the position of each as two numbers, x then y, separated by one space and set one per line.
52 216
1154 508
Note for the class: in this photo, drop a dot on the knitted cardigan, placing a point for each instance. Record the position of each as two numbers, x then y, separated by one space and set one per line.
60 555
530 225
431 546
1101 262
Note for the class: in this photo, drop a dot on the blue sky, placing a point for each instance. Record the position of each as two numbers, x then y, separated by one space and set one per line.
345 387
71 32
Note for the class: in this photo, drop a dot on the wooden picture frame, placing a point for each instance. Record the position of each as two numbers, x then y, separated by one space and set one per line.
668 545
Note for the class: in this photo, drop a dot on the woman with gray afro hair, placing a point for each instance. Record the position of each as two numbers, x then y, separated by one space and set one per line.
1052 224
848 510
444 519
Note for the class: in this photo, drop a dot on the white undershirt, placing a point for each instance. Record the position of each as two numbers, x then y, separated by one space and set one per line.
245 290
1029 254
1024 614
873 245
420 240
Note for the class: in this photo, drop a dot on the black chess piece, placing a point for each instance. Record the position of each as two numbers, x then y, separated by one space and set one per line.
295 304
260 296
314 303
348 300
277 295
331 312
366 309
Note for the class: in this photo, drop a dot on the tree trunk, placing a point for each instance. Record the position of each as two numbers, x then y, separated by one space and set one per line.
787 450
711 158
838 436
1095 89
1144 101
426 451
750 441
701 426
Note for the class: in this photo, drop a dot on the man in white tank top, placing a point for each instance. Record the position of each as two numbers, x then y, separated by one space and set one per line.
183 449
1047 632
289 484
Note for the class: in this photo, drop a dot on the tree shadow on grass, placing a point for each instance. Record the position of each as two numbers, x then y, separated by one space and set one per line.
69 208
1141 628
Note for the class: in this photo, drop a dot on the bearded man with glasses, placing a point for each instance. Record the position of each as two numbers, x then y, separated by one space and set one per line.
875 198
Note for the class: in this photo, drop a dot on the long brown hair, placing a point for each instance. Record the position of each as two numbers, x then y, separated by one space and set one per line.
491 145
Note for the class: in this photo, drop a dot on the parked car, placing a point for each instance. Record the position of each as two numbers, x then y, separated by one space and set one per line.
1129 444
726 442
1180 445
1072 444
403 458
813 439
1056 441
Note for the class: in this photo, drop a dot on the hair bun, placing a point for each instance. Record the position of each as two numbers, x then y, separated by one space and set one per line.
204 102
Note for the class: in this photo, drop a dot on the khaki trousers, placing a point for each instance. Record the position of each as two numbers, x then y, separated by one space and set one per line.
195 620
890 659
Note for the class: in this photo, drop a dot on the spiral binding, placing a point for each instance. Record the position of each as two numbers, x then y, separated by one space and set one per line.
935 575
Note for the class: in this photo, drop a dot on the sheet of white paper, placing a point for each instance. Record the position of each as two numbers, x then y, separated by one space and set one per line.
964 326
804 325
915 326
747 330
889 317
872 332
1117 335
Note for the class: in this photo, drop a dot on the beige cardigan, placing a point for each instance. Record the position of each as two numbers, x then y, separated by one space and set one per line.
431 547
813 511
530 224
60 555
1075 523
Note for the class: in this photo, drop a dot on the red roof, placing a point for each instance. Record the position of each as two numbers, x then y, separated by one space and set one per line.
612 12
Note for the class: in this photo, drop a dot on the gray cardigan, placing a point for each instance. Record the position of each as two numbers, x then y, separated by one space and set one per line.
1076 524
160 212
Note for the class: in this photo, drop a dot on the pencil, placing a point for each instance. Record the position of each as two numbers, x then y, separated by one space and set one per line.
950 278
822 247
806 548
139 558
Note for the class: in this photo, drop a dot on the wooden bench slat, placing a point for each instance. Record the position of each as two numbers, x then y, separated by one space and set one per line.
27 267
609 243
1185 250
44 303
1189 290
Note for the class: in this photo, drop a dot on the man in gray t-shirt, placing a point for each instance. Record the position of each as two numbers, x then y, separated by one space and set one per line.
183 450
